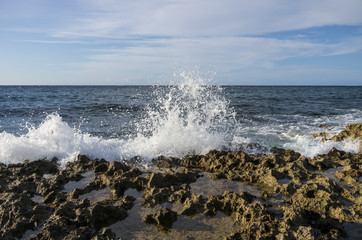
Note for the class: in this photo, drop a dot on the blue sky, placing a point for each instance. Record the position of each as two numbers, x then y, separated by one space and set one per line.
264 42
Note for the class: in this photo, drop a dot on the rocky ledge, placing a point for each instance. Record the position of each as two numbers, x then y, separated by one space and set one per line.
350 132
230 195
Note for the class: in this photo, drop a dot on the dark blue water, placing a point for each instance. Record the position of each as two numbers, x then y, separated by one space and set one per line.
103 109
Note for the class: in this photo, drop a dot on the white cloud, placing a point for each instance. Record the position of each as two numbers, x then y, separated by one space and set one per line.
54 41
207 17
151 58
246 50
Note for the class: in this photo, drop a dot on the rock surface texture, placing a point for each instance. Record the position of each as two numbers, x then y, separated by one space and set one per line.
295 197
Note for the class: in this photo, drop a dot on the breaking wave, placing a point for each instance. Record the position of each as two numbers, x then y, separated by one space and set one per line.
189 118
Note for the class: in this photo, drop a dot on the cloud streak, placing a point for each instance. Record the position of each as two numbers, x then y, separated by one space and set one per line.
226 53
182 18
208 17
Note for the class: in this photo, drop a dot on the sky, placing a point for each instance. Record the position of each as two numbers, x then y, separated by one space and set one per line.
131 42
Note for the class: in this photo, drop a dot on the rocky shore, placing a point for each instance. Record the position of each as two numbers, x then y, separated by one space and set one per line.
220 195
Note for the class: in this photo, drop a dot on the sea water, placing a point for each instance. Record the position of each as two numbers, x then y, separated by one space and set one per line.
190 117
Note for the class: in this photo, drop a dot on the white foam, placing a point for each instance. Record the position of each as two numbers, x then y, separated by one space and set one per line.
190 118
54 138
309 147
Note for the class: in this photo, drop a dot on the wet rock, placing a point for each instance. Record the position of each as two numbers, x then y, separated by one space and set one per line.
104 214
268 181
323 135
105 234
191 161
80 220
228 203
171 178
155 196
179 196
254 220
166 162
265 195
101 168
298 200
353 131
39 167
193 205
290 188
298 223
233 202
322 196
346 177
119 186
163 219
18 213
65 217
59 180
117 166
55 198
81 233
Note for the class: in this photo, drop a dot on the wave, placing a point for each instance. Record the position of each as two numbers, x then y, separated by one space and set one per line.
189 118
313 147
54 138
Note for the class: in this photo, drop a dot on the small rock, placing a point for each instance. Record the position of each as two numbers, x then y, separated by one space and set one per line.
163 219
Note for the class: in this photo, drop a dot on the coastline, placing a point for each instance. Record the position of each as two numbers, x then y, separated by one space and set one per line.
283 195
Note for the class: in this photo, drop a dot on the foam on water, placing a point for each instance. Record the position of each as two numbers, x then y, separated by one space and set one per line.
309 147
54 138
190 117
313 147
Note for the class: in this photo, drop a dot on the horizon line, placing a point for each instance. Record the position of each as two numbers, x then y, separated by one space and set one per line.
152 85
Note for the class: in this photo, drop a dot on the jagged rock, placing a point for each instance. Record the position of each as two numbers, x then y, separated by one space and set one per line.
322 196
194 205
265 195
163 218
170 178
154 196
19 213
105 214
297 200
353 131
323 135
105 234
298 223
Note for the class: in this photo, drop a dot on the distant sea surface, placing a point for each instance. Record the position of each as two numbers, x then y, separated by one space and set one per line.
122 122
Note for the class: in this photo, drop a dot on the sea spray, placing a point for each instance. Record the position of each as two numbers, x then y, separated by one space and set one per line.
309 147
54 138
190 118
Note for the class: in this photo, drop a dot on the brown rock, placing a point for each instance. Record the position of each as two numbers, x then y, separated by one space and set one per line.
163 219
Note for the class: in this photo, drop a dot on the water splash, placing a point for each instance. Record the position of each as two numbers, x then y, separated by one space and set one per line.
191 117
309 147
54 138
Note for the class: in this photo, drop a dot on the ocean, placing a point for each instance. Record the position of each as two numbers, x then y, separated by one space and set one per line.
124 122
